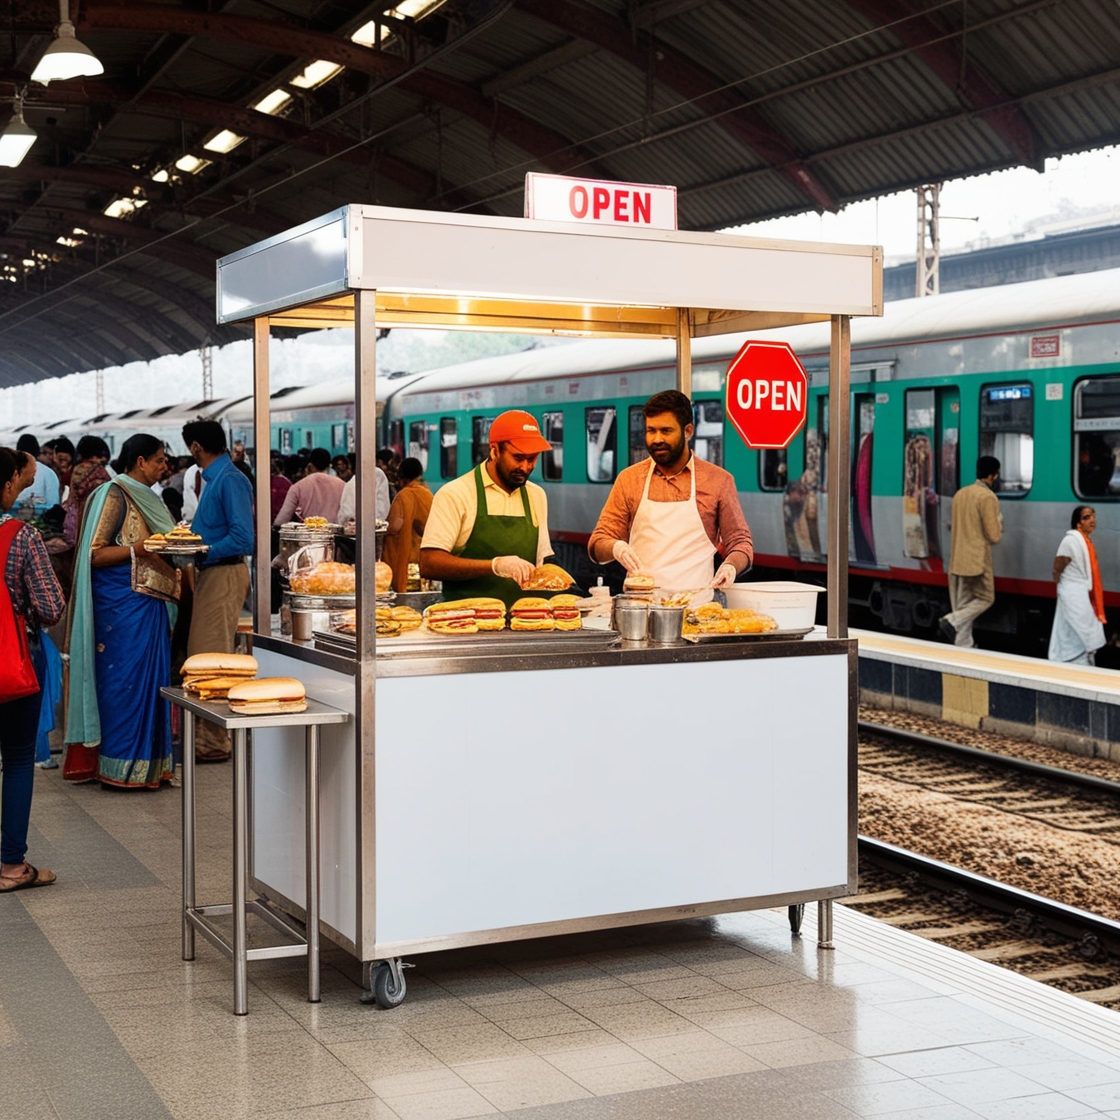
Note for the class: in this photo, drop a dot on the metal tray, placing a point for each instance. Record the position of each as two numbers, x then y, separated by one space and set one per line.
423 643
704 639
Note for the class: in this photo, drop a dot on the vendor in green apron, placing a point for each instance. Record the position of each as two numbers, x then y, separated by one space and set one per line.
488 529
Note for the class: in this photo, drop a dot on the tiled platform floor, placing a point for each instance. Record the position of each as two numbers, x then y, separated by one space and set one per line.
99 1018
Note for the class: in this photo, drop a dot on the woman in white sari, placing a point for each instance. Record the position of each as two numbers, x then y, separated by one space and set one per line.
1078 631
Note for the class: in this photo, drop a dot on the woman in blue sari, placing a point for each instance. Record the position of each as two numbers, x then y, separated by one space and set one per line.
118 729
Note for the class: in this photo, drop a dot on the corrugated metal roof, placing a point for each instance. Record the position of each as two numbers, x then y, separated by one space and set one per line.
752 109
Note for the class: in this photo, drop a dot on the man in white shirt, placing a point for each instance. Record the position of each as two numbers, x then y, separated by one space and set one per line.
193 485
350 495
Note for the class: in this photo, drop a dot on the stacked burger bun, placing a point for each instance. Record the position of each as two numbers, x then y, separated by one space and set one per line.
392 621
638 583
210 676
532 613
267 696
466 616
565 613
548 577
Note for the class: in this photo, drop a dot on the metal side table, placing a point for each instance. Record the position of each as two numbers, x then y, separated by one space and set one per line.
198 917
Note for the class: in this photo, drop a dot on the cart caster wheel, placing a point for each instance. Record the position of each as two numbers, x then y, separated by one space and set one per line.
387 992
796 913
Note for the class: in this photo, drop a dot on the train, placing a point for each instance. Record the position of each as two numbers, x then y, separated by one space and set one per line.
1028 372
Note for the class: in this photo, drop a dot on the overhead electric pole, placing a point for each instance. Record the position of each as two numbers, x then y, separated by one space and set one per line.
207 357
928 265
99 382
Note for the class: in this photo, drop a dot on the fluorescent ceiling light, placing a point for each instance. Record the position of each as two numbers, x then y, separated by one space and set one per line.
66 57
120 207
224 142
366 35
316 74
160 176
16 139
192 165
69 242
273 102
415 9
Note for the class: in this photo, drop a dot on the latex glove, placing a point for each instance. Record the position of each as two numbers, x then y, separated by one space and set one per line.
626 556
511 567
725 576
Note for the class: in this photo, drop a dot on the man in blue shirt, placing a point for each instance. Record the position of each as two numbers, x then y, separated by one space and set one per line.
224 521
43 493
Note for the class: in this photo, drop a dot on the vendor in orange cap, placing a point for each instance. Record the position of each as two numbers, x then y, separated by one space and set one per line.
488 529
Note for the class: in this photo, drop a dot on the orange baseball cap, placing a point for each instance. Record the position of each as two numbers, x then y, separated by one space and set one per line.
521 430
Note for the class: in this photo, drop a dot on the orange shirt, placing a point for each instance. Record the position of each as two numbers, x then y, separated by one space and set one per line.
717 502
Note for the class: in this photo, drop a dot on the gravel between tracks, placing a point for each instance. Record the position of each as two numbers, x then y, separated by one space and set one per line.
1073 868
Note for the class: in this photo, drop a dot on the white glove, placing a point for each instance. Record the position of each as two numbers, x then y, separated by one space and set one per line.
725 576
511 567
626 556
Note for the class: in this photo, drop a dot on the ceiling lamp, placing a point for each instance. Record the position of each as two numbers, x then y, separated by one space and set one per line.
66 57
16 139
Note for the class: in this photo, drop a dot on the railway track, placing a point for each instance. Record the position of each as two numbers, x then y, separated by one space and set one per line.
1058 944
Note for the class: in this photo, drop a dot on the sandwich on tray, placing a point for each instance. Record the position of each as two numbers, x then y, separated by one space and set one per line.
548 577
565 613
466 616
532 613
267 696
204 668
639 582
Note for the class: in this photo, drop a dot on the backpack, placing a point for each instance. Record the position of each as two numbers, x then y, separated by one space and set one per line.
18 679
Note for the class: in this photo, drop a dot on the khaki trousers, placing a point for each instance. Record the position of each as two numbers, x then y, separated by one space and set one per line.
219 594
970 597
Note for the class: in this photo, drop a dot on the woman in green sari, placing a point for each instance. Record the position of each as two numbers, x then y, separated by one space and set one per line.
118 729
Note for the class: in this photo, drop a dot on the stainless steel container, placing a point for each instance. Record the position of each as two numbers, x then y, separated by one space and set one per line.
631 619
665 624
300 614
301 547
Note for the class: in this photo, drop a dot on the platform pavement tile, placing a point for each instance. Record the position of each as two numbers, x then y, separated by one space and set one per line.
471 1044
602 997
798 1051
700 1065
1046 1106
887 1096
389 1086
374 1059
540 1026
535 1004
531 991
521 1083
1023 1050
681 987
441 1104
625 1078
893 990
928 1062
575 1040
723 1000
879 1039
938 1112
23 1096
818 1076
1068 1074
368 1108
1098 1096
981 1086
773 1028
609 1053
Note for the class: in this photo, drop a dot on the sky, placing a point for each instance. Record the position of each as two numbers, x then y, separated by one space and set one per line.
975 212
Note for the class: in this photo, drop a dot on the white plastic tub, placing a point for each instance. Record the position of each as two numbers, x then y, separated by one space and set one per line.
793 606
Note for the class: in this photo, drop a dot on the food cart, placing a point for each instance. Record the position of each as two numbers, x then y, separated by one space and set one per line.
504 786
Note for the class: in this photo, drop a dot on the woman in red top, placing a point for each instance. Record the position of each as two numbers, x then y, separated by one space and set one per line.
37 600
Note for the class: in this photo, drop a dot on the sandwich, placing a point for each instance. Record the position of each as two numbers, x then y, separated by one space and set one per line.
383 577
638 581
386 628
565 613
267 696
327 578
203 667
408 618
466 616
214 688
182 534
316 523
532 613
548 577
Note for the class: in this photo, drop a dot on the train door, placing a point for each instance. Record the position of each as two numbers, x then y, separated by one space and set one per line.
801 504
418 442
920 536
707 440
948 456
862 548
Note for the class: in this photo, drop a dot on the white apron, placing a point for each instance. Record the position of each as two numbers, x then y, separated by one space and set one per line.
1077 630
672 542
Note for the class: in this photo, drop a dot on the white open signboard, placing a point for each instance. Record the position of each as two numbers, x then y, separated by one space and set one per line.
599 202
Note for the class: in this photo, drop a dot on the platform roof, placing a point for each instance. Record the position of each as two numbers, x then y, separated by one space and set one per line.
752 109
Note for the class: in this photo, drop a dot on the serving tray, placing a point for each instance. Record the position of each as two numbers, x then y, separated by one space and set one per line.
704 639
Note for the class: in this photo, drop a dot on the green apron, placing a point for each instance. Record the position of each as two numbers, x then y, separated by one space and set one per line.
495 535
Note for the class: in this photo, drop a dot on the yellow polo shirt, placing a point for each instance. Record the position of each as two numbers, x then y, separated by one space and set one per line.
455 505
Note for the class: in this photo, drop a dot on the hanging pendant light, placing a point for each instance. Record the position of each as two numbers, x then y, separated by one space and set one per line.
66 57
16 139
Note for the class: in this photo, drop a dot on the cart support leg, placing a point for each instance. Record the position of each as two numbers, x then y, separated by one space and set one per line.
312 844
240 873
188 833
824 924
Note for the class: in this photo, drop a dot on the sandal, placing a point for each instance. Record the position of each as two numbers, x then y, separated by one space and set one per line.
30 877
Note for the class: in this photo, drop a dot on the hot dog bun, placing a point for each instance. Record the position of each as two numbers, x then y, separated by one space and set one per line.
201 666
531 613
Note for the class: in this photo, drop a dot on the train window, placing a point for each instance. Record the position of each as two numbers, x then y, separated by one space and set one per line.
480 439
308 438
396 436
1096 438
1007 432
773 469
285 441
448 447
552 464
418 442
601 444
338 436
638 450
708 440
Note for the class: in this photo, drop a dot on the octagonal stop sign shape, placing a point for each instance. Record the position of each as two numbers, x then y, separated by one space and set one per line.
767 394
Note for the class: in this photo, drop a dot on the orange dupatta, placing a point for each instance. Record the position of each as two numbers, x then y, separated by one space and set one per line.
1096 594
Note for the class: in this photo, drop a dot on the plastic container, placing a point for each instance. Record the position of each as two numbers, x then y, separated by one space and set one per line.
665 624
792 605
